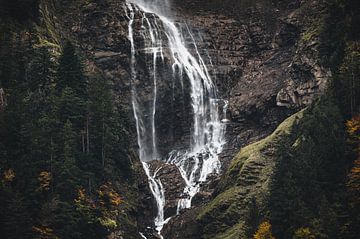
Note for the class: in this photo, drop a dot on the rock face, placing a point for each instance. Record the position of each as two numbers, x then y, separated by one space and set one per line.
249 189
172 182
263 59
266 69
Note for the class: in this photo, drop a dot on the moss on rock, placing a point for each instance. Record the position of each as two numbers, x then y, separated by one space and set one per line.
252 174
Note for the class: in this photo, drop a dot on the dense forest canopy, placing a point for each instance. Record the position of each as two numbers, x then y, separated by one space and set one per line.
22 10
56 175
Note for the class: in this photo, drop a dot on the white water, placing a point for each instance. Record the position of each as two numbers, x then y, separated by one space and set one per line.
207 131
147 152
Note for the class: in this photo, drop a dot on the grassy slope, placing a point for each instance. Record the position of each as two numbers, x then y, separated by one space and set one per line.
226 216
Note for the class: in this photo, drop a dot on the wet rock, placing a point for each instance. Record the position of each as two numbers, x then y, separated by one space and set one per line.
261 65
267 72
173 185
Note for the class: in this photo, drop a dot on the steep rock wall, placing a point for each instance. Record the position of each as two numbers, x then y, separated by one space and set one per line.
267 68
265 62
251 190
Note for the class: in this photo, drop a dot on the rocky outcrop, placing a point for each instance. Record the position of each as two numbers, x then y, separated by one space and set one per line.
249 189
263 59
263 66
172 182
267 71
246 182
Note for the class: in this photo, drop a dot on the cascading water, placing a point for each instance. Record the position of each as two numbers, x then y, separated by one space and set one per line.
163 36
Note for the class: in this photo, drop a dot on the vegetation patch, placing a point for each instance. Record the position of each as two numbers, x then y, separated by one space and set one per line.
295 143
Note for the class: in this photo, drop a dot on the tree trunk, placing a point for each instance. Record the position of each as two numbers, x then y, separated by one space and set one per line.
83 141
51 164
87 135
102 144
89 184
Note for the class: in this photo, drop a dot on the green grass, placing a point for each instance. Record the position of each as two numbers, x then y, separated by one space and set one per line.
255 150
223 217
308 133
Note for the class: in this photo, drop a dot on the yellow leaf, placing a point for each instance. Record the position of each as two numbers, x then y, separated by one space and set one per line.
44 179
9 175
264 231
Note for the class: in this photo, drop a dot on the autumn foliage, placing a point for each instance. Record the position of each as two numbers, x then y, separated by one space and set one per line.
101 208
44 179
9 175
303 233
264 231
353 183
108 195
83 199
353 128
44 233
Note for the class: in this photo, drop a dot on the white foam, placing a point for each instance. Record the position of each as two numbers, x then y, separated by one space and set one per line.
207 130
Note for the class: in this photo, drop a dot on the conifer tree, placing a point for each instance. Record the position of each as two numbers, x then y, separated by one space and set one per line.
69 174
70 72
40 70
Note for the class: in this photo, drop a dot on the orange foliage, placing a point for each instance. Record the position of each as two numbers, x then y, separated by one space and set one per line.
107 194
353 128
9 175
353 183
83 199
81 195
44 232
264 231
44 180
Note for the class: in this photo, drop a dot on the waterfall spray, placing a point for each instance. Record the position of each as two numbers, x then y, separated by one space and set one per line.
207 131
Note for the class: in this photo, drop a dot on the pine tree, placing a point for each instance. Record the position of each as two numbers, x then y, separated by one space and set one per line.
69 175
40 70
15 220
252 219
107 136
71 108
71 89
70 72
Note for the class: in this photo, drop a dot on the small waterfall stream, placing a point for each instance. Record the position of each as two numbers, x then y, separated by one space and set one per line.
162 36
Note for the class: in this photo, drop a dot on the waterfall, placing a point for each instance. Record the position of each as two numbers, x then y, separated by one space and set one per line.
162 36
145 153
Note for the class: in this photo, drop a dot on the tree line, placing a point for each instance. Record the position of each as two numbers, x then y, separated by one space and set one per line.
62 141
